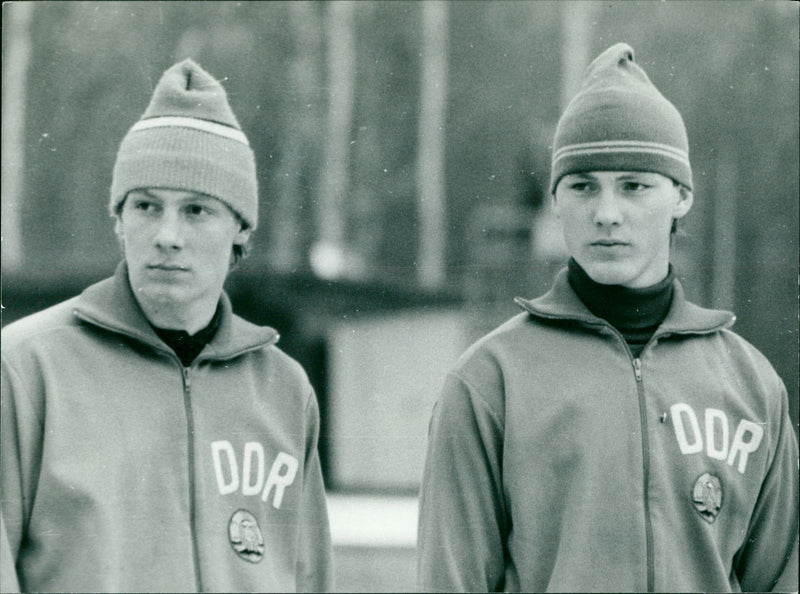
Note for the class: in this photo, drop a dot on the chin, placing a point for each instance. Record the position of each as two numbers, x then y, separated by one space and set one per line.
609 273
161 294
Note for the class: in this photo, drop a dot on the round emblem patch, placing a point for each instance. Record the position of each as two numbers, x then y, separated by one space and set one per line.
245 536
707 497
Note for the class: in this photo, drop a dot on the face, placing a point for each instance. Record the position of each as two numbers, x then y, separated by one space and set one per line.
178 248
617 224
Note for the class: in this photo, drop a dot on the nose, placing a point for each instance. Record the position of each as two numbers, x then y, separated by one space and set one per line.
169 235
607 212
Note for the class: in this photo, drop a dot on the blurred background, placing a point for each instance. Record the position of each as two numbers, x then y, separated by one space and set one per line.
403 158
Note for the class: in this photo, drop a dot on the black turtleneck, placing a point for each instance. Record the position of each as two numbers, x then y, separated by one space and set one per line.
187 346
636 313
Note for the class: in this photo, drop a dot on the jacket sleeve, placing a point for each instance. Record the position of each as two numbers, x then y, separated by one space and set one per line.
20 452
315 554
768 561
8 571
463 522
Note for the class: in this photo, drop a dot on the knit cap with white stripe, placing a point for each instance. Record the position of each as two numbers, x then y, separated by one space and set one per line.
188 139
619 121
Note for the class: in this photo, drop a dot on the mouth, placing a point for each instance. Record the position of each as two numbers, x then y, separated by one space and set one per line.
168 267
609 243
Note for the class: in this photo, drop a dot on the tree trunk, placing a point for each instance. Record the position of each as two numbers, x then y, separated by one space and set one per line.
723 278
430 156
328 256
576 19
300 138
16 18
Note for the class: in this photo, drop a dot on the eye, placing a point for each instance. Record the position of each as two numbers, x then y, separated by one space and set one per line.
145 206
581 186
198 211
634 187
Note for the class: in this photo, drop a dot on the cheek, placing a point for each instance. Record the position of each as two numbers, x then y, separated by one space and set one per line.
658 221
574 222
571 211
139 247
130 240
216 246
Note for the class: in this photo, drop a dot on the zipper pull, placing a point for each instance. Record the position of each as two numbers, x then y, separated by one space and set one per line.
637 368
186 382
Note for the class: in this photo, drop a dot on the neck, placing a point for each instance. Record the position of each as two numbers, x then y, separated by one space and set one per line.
168 315
636 313
187 346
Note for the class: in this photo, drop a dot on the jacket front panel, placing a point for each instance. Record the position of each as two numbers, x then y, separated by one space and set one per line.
116 458
255 456
559 462
573 466
718 419
107 445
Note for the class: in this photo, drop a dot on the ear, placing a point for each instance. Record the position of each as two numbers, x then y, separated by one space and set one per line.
684 203
242 235
554 205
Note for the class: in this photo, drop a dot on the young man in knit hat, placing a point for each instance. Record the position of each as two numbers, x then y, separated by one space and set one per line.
613 436
151 439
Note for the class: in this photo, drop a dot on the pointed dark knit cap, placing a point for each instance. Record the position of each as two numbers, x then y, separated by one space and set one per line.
188 139
619 121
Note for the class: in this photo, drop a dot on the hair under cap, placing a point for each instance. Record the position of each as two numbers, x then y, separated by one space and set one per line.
619 121
188 139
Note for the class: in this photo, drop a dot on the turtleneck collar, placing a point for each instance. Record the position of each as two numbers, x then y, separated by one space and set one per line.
636 313
188 346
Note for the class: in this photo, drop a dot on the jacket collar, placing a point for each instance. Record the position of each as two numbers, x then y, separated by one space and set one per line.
562 303
110 304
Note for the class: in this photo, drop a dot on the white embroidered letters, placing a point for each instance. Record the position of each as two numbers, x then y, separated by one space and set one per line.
716 430
714 437
740 446
679 412
252 448
278 480
231 483
253 471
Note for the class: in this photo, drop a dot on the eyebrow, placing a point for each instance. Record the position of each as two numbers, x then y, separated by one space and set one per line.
623 176
141 193
634 174
581 175
187 197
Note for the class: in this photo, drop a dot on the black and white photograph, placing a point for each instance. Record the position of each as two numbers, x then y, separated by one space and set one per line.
400 295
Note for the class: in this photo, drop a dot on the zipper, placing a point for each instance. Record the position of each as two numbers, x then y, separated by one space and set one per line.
187 403
648 524
637 369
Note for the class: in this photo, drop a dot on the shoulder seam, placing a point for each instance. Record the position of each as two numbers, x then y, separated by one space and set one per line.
15 375
474 390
